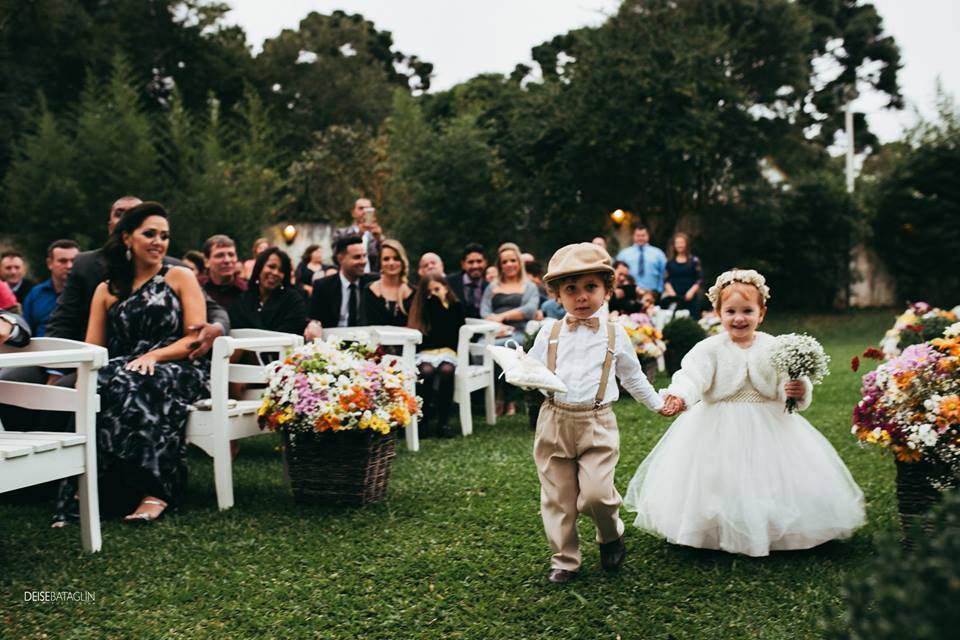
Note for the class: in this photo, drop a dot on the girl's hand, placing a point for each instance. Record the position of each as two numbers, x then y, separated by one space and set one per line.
145 364
794 389
672 405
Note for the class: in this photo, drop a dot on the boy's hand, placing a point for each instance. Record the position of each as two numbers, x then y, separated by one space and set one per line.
794 389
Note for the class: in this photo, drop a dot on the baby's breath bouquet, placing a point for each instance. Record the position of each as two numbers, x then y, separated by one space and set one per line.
797 355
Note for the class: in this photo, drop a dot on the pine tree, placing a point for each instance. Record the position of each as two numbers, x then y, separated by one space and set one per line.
42 185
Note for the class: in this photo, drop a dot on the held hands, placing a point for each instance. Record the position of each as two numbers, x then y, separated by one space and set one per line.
794 389
672 405
145 364
206 334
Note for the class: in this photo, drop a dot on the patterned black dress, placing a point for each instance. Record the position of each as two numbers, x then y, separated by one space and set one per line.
141 441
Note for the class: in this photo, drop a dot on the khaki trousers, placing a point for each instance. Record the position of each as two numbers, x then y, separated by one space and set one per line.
576 452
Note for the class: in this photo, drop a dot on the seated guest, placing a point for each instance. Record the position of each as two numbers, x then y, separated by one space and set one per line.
534 270
336 299
42 299
13 271
270 301
624 299
438 315
468 284
429 262
552 309
193 259
221 281
387 301
601 242
259 246
490 273
512 300
310 263
142 313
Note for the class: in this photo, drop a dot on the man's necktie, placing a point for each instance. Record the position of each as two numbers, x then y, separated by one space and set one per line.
590 323
352 307
640 264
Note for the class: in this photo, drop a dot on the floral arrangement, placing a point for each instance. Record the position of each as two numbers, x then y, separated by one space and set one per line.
337 386
797 355
919 323
911 403
710 323
646 339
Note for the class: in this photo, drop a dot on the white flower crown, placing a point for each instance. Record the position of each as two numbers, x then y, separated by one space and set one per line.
744 276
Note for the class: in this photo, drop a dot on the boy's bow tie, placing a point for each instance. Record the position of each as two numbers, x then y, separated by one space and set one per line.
590 323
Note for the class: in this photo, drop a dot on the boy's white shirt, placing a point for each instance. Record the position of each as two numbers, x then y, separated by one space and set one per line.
580 356
716 368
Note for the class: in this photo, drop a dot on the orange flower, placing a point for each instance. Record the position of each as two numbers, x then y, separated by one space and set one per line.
327 422
904 378
949 346
950 408
906 454
947 365
356 399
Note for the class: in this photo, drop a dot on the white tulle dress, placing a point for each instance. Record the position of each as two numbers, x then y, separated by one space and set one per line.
735 472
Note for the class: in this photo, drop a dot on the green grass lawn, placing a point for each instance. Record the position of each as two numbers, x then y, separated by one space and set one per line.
457 550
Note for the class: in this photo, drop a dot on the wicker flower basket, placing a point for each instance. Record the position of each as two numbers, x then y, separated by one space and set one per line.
916 495
346 468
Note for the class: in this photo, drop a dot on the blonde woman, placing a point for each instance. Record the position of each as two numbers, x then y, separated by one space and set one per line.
259 245
511 299
387 301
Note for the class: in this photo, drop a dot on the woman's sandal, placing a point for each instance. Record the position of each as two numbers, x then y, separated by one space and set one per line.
145 517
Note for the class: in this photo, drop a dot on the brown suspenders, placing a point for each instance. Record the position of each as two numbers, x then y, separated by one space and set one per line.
607 360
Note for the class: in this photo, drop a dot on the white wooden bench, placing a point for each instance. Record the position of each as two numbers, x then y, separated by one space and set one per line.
229 420
384 335
472 377
29 458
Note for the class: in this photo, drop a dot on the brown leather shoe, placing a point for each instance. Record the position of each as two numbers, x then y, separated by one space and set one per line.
561 576
612 554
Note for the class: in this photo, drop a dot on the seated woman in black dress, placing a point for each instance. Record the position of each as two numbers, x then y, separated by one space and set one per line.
141 314
387 301
270 301
683 276
438 315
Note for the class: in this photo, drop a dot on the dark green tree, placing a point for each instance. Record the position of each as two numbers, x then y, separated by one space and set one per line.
42 186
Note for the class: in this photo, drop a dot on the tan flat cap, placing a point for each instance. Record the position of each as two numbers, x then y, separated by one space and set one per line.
574 259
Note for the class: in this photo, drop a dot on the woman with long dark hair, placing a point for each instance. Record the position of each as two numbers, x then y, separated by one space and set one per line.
270 301
141 314
310 263
438 315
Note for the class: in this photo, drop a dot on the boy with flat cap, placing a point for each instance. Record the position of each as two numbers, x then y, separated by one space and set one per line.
577 445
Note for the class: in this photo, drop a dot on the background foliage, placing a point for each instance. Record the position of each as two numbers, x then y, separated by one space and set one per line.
711 117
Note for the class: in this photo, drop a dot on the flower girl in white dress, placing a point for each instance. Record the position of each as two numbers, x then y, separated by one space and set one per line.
737 472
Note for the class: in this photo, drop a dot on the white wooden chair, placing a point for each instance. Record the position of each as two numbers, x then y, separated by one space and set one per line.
229 420
472 377
384 335
33 457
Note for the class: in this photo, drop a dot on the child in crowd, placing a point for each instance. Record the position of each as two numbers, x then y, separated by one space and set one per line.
738 473
438 315
577 445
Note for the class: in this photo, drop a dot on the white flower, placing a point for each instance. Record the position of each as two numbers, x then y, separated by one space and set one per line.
952 331
745 276
928 435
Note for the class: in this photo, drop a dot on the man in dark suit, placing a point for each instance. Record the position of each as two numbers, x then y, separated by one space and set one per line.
336 299
468 284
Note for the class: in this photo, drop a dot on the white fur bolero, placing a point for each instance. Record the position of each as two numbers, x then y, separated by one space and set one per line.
716 368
